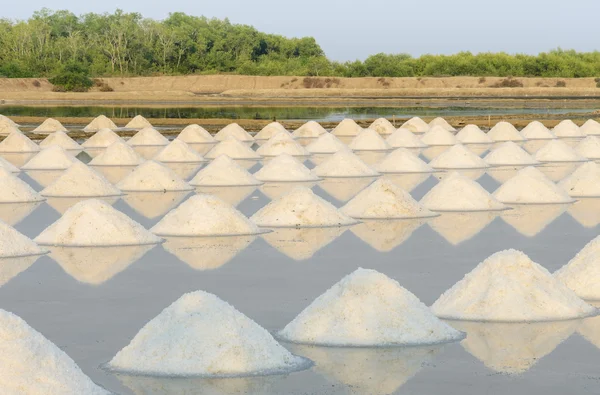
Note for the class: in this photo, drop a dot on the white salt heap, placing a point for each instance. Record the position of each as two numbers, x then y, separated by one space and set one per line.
567 128
504 131
282 143
100 122
118 153
8 166
233 148
382 126
80 181
472 134
233 130
584 181
102 139
437 135
195 134
310 129
508 286
30 364
300 208
416 125
367 308
17 142
326 144
50 125
347 128
224 172
531 186
51 158
15 190
369 140
14 244
94 223
285 168
151 176
537 131
458 157
402 161
204 215
589 148
138 122
384 200
591 128
558 151
4 120
509 154
5 130
459 193
404 138
441 122
178 152
148 137
344 164
582 272
201 335
61 139
271 130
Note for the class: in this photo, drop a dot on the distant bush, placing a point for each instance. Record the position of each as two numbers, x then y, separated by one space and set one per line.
597 82
482 80
509 82
73 78
36 83
561 84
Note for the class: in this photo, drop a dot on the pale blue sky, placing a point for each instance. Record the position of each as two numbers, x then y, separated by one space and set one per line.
349 30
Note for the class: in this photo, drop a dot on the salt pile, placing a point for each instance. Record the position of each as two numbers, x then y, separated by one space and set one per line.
17 142
472 134
404 138
441 122
233 130
102 139
567 128
589 148
344 164
504 131
5 130
138 122
415 125
282 143
14 244
4 120
33 365
508 286
233 148
459 193
531 186
537 131
590 128
80 181
271 130
204 215
201 335
118 153
558 151
285 168
151 176
510 154
61 139
583 182
15 190
369 140
458 157
347 128
100 122
326 144
178 152
51 158
367 308
384 200
582 272
50 125
439 136
382 126
310 129
8 166
402 160
148 137
300 208
224 172
195 134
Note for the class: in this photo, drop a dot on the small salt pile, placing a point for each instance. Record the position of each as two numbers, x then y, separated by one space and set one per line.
472 134
61 139
4 120
416 125
459 193
285 168
15 190
583 182
282 143
582 272
8 166
510 154
384 200
224 172
589 148
404 138
233 148
509 286
50 125
369 140
201 335
151 176
300 208
310 129
382 126
17 142
271 130
80 181
51 158
195 134
30 364
347 128
439 121
567 128
558 151
148 137
402 161
5 130
94 223
504 131
537 131
102 139
100 122
138 122
458 157
118 153
233 130
531 186
344 164
326 144
590 128
178 152
14 244
437 135
204 215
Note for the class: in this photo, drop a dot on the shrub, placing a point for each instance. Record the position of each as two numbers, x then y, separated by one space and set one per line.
597 82
106 88
509 82
561 84
36 83
482 80
73 78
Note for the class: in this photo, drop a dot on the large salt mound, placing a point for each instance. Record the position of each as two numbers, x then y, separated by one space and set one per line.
233 130
347 128
271 130
285 168
138 122
282 143
508 286
589 148
567 128
510 154
151 176
50 125
326 144
369 140
51 158
458 157
582 272
204 215
590 128
437 135
224 172
178 152
459 193
537 131
101 139
504 131
14 244
441 122
62 140
195 134
148 137
100 122
583 182
404 138
233 148
344 164
530 185
94 223
80 181
300 208
558 151
30 364
472 134
384 200
310 129
367 308
402 161
201 335
15 190
416 125
382 126
17 142
118 153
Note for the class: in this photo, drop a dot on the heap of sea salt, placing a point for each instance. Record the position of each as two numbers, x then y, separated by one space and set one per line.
195 134
224 172
5 129
382 126
472 134
439 121
326 144
310 129
582 272
118 153
138 122
528 186
537 131
437 135
583 182
50 125
300 208
178 152
404 138
17 142
282 143
591 128
233 130
102 139
80 181
51 158
61 139
14 244
344 164
558 151
15 190
504 131
510 154
416 125
567 128
367 308
508 286
369 140
233 148
459 193
148 137
402 160
285 168
458 157
100 122
151 176
347 128
94 223
4 120
589 148
271 130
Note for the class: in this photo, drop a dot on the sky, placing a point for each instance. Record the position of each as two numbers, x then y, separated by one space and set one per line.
350 30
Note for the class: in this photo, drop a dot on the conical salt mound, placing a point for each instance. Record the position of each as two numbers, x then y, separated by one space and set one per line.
508 286
510 154
195 134
326 144
589 148
8 166
17 142
233 148
118 153
62 140
285 168
100 122
15 190
148 137
441 122
537 131
344 164
472 134
101 139
33 365
138 122
369 140
582 272
583 182
151 176
80 181
367 308
51 158
590 128
14 244
233 130
94 223
224 172
402 161
382 126
178 152
347 128
567 128
5 130
416 125
271 130
458 157
504 131
384 200
282 143
404 138
204 215
459 193
50 125
7 121
201 335
558 151
437 135
300 208
530 185
310 129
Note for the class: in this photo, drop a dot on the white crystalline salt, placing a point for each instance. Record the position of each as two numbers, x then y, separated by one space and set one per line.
282 143
472 134
285 168
102 139
347 128
5 129
7 121
17 142
382 126
369 140
223 171
80 181
195 134
100 122
233 130
504 131
148 137
151 176
61 139
233 148
589 148
271 130
404 138
118 153
344 164
416 125
437 135
14 244
558 151
508 286
138 122
310 129
51 158
591 128
583 182
178 152
510 154
326 144
582 272
439 121
15 190
537 131
531 186
458 157
402 161
50 125
567 128
367 308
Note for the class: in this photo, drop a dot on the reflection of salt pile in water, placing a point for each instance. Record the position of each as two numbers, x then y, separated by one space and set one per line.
302 243
458 227
310 129
80 181
382 126
472 134
223 171
586 211
558 151
531 219
270 130
50 125
118 153
589 148
458 157
441 122
178 152
404 138
151 176
201 335
459 193
567 128
153 205
369 140
101 139
402 160
584 182
148 137
509 154
385 235
61 139
347 128
367 308
285 168
15 190
344 189
590 128
437 136
100 122
32 364
14 244
344 164
504 131
531 186
138 122
416 125
508 286
17 142
282 143
326 144
537 131
195 134
51 158
233 130
6 165
215 251
12 267
233 148
582 272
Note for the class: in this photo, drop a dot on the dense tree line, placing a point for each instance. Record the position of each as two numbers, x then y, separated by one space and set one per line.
126 44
